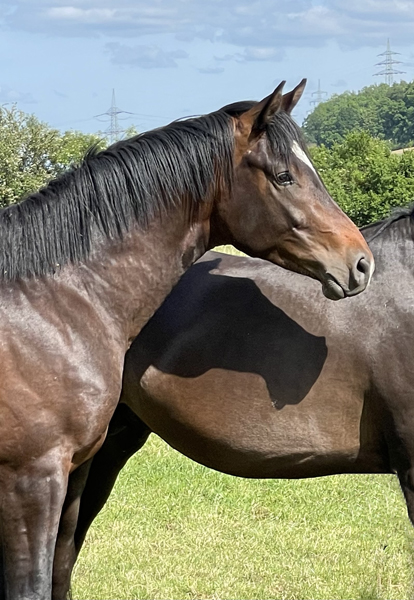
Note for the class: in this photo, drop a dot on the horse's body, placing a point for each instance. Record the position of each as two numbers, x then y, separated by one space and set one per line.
86 262
248 370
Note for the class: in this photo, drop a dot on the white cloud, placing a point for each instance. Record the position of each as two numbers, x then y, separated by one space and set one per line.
267 24
340 83
378 9
146 57
263 53
93 15
9 95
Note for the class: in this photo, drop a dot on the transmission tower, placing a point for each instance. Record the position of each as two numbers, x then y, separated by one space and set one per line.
388 63
114 132
320 96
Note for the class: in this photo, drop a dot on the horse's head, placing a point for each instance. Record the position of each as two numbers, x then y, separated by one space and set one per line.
279 208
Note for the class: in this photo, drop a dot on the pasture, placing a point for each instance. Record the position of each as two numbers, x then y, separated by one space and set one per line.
173 529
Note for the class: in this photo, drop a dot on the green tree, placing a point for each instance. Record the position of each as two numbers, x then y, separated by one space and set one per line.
130 131
365 177
32 153
386 112
72 147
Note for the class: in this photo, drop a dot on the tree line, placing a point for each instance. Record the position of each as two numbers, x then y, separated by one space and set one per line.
385 112
32 153
353 137
364 177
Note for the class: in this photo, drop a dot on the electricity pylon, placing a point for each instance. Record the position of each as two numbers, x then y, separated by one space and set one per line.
320 96
114 132
388 63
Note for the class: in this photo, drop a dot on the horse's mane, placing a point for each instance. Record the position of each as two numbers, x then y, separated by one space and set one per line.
132 181
377 228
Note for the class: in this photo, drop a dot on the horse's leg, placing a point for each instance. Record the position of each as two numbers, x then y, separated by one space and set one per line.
65 553
126 435
31 501
406 477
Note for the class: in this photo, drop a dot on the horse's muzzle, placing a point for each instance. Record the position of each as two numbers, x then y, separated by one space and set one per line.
359 277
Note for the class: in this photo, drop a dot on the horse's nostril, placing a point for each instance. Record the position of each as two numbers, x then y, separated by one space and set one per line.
363 266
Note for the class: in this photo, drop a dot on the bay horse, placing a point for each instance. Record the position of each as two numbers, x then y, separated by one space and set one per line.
248 370
84 264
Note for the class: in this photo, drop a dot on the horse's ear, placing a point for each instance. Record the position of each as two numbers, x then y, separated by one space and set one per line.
292 98
255 120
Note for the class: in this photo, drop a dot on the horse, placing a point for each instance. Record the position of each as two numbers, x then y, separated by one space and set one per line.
247 370
84 264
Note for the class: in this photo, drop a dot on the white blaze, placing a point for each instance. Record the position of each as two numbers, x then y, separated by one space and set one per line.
297 151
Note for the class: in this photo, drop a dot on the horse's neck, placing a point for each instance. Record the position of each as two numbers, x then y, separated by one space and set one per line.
393 248
131 278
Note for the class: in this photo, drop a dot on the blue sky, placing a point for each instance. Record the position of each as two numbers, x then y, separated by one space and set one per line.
60 59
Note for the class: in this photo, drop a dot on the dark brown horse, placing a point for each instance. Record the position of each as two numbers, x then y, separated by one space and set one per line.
86 262
248 370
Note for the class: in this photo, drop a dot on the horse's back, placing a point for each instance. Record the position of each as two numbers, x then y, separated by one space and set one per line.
247 369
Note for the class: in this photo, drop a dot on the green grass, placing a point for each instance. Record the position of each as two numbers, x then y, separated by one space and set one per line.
229 249
173 529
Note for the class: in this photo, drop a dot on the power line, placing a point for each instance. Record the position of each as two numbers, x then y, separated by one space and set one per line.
388 72
114 132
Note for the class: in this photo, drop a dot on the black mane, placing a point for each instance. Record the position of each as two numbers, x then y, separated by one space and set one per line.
377 228
132 181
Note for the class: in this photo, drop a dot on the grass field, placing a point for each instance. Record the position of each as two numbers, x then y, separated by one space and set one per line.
176 530
228 249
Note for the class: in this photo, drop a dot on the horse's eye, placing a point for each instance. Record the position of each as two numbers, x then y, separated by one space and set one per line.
284 178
